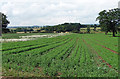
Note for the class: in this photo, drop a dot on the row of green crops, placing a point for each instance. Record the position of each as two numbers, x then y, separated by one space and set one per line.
22 44
74 55
104 40
109 56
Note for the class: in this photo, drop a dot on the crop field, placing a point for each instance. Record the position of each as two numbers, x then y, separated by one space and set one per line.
73 55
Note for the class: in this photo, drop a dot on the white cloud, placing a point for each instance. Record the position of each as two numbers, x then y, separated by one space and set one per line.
50 12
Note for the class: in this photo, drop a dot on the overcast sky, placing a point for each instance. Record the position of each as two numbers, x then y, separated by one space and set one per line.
51 12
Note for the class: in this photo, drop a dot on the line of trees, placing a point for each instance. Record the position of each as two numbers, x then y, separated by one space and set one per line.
25 30
68 27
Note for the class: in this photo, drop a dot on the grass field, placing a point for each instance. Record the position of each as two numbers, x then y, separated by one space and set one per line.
73 55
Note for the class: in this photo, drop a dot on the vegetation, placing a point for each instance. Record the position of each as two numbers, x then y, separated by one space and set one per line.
95 26
70 55
109 20
25 30
73 55
66 27
88 29
5 22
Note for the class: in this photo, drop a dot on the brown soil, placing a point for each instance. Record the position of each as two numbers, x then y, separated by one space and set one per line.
108 49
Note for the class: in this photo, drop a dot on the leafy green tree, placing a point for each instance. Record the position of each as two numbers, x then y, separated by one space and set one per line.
88 29
109 19
11 31
30 30
4 22
19 29
95 27
25 30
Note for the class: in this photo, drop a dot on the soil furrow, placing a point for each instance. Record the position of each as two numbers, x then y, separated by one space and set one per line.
110 66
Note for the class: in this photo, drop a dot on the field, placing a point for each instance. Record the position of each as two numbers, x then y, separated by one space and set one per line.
73 55
16 36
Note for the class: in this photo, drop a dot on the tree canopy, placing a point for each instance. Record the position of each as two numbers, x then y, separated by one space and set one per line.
5 22
109 20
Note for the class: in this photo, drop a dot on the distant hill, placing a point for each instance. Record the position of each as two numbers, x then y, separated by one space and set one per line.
24 26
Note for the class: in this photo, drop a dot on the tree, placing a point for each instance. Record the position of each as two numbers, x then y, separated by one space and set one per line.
5 22
31 30
109 20
88 29
19 29
25 30
95 27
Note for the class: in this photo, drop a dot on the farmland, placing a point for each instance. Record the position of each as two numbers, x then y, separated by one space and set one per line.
72 55
14 35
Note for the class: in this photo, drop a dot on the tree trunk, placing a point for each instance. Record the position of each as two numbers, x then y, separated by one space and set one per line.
106 32
116 32
113 33
113 29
